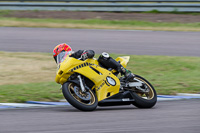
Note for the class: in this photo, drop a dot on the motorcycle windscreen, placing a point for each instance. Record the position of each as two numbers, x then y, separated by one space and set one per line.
62 56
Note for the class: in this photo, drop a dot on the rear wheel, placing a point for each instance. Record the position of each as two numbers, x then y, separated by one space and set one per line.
145 96
85 101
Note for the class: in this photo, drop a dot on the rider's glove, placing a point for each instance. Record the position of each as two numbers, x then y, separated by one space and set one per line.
84 55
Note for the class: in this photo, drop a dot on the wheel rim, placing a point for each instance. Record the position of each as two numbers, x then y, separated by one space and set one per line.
73 87
146 95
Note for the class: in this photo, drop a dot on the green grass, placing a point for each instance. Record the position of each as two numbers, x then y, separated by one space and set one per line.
105 22
175 11
5 12
168 74
99 24
45 91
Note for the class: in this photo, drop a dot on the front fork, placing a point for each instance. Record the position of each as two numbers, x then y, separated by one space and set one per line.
79 81
81 84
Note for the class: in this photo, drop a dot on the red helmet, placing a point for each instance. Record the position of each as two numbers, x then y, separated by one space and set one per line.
59 48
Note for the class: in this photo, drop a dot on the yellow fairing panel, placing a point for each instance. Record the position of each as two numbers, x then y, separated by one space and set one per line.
106 89
65 69
123 60
106 83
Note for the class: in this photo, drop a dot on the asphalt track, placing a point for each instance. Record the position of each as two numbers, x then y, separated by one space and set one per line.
181 116
112 41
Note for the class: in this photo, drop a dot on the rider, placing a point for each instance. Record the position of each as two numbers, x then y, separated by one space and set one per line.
104 59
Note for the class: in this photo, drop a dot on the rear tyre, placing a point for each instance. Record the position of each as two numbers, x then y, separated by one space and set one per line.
147 99
82 101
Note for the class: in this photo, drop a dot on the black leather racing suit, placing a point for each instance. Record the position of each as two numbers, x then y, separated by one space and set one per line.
104 62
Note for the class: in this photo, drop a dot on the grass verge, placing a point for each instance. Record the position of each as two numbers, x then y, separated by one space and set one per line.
30 76
98 24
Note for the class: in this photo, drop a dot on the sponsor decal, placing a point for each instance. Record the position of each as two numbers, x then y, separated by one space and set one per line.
101 85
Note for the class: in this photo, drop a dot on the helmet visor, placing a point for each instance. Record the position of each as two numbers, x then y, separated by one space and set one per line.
62 56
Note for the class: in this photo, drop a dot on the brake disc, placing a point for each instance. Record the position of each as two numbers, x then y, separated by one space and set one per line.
82 95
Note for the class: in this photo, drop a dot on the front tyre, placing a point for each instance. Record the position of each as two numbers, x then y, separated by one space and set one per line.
82 101
146 98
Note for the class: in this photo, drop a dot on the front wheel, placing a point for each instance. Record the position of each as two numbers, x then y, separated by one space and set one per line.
145 96
86 101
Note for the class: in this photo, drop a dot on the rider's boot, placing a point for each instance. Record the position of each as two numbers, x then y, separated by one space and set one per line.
127 74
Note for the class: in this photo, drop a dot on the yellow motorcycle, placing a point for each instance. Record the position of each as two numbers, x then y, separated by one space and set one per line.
86 85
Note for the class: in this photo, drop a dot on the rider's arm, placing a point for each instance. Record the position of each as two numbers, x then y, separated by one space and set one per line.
90 53
83 53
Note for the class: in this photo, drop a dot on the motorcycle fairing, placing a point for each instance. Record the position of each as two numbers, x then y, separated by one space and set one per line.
106 83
